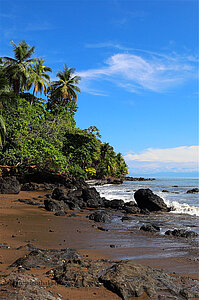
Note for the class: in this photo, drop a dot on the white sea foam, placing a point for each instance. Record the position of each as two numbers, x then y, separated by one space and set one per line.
111 192
180 208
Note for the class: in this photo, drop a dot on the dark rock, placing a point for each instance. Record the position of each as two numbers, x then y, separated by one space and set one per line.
128 279
114 180
9 185
28 201
33 186
132 209
112 246
60 213
100 216
55 205
130 203
102 228
128 178
90 193
126 218
146 199
165 191
115 204
28 247
181 233
45 258
58 194
80 272
24 286
91 203
196 190
150 228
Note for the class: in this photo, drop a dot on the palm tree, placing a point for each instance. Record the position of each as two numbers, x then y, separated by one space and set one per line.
38 78
2 131
17 68
65 89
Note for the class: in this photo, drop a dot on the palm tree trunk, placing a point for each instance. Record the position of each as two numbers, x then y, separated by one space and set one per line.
33 96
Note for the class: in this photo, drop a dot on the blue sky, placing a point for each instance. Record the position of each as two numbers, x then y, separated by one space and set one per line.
138 62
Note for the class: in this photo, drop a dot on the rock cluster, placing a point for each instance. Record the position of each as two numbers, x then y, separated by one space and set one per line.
9 185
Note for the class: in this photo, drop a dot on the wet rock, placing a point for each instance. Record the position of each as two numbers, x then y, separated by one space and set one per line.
28 201
130 203
28 247
115 204
193 191
60 213
146 199
41 258
80 272
9 185
90 193
132 209
102 228
150 228
55 205
25 286
181 233
100 216
128 279
126 218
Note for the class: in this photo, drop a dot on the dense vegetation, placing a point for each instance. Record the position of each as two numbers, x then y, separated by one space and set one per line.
40 133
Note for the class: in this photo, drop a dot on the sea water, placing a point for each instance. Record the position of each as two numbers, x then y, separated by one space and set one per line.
176 196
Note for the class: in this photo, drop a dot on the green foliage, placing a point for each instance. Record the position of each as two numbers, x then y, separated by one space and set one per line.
81 147
29 137
42 134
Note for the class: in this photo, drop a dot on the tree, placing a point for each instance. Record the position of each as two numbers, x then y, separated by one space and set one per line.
38 78
2 131
17 69
64 91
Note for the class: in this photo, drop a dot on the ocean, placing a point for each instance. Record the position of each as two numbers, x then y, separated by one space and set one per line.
185 207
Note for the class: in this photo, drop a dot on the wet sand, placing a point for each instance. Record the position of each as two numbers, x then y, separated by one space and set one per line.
21 224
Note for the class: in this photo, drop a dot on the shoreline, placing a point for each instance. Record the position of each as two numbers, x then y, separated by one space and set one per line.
22 223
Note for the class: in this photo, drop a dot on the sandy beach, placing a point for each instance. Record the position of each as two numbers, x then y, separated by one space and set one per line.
21 224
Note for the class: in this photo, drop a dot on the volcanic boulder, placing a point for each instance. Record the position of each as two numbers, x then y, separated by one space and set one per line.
146 199
9 185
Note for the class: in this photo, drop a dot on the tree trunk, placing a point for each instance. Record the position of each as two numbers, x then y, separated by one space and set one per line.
33 96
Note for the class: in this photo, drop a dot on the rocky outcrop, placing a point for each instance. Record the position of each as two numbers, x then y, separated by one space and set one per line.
80 272
181 233
128 279
127 178
55 205
100 216
9 185
115 204
24 286
146 199
193 191
42 258
150 228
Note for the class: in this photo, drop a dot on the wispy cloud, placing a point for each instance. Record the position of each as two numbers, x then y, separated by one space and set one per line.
148 71
179 159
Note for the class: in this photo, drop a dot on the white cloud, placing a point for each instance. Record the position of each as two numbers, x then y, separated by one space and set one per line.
179 159
150 71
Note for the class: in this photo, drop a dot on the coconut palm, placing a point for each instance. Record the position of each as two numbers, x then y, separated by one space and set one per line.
17 68
65 89
2 131
38 78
